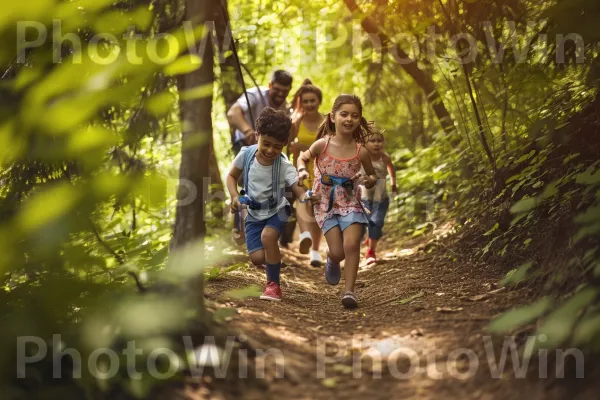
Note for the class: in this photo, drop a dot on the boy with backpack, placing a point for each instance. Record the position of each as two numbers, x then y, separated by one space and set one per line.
266 172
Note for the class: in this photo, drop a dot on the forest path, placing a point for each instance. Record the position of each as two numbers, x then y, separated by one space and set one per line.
420 318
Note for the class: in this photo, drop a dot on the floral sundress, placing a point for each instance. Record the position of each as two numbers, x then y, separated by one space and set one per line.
344 202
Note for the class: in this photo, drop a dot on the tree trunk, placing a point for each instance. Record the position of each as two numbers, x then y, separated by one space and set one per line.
230 79
196 121
420 77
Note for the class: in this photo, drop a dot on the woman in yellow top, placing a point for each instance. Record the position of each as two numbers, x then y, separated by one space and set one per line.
306 119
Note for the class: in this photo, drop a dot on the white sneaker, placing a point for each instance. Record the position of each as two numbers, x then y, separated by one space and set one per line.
315 258
305 242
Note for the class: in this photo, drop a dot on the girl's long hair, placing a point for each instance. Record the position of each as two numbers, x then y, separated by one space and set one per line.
362 132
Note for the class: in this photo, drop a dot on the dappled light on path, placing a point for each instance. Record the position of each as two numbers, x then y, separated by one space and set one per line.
416 334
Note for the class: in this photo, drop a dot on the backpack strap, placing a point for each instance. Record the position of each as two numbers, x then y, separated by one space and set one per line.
277 191
248 157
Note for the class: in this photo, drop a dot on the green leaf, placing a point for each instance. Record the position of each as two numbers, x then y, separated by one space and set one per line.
329 383
587 330
159 256
45 207
524 205
223 313
248 291
513 178
516 275
183 65
559 325
199 92
92 138
591 215
492 230
214 273
113 223
591 176
518 317
161 103
570 157
549 191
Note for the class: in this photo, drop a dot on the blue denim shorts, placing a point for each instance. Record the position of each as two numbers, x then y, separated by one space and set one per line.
254 228
378 210
344 221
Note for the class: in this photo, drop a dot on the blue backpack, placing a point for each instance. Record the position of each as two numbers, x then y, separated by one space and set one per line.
278 189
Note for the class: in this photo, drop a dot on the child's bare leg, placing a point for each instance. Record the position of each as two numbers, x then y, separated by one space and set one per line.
269 239
303 218
352 237
313 227
258 257
335 242
315 232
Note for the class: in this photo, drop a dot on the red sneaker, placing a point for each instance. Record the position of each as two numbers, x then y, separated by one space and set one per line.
370 257
272 292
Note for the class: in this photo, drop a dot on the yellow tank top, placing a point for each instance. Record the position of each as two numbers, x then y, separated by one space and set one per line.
306 136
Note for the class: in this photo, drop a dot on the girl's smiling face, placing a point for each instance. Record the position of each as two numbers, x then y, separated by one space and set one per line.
346 119
310 103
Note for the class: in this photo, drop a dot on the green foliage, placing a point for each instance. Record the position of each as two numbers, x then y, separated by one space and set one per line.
88 154
518 317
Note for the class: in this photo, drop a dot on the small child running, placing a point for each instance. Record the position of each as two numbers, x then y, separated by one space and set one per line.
339 156
267 172
376 199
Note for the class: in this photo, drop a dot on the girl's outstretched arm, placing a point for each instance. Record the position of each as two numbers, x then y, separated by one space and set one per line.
314 150
391 171
367 164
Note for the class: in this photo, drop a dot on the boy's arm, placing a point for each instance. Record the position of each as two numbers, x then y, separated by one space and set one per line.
392 172
367 164
231 182
301 193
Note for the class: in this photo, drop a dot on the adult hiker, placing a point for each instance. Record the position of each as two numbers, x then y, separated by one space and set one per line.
306 120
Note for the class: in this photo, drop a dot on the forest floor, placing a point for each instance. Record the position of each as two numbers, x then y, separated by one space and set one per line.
419 332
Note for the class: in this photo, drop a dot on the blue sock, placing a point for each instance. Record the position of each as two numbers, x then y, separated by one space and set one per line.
273 272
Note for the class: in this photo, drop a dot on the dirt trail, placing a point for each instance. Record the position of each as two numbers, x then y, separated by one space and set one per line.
328 352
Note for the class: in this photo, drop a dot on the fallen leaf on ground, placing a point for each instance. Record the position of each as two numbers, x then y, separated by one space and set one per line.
329 382
479 297
448 309
416 332
411 298
342 368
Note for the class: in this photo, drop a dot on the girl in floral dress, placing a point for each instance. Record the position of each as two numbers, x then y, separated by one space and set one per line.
339 157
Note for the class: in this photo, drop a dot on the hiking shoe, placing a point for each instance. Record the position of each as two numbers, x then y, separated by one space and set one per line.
272 292
349 300
305 242
332 272
370 257
315 259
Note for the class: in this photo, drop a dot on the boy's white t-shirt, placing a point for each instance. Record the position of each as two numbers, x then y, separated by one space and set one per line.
260 183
